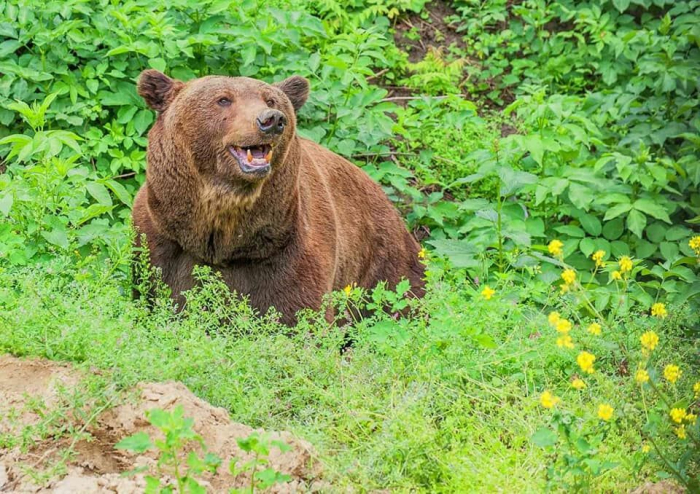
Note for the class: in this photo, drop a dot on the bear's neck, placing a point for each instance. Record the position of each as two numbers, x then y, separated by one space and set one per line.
222 227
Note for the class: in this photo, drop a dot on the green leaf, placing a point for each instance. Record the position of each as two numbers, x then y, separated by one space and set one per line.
636 222
587 246
459 252
158 64
591 224
617 210
571 231
142 120
652 209
544 437
621 5
656 232
676 233
644 249
100 193
514 180
119 191
139 443
612 230
58 237
6 203
669 251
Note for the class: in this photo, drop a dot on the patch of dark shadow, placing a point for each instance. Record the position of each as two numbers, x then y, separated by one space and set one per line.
415 35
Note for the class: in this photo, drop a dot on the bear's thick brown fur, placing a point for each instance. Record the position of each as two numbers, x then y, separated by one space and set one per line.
284 228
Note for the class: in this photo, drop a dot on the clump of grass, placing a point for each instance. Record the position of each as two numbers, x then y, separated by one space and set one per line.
446 398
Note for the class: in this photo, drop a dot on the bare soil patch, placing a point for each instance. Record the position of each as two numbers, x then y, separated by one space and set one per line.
96 466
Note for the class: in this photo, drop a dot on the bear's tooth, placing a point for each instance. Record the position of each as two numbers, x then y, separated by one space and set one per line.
268 157
250 156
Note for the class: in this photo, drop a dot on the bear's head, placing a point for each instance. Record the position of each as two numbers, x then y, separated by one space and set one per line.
234 130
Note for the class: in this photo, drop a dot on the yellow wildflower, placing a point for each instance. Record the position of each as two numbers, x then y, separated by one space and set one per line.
487 292
553 318
578 384
678 414
422 253
563 326
565 341
616 275
598 258
625 264
555 246
695 244
605 412
649 340
691 418
347 290
641 376
696 389
659 310
646 448
569 276
680 431
594 328
672 373
585 361
548 400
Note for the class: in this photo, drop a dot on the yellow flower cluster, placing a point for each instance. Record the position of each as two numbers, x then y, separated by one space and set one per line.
598 258
678 414
605 412
563 326
565 341
578 384
422 253
569 276
695 244
487 292
594 329
585 362
553 318
555 248
659 310
696 389
641 376
625 264
548 400
680 432
672 373
649 340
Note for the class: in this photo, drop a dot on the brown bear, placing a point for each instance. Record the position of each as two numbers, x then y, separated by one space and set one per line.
230 184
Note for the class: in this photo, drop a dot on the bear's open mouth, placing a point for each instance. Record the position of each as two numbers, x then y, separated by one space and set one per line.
252 159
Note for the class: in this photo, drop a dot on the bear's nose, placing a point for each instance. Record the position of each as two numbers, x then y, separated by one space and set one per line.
271 122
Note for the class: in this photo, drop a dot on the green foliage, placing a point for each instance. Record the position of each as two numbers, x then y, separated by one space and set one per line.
259 447
178 431
584 128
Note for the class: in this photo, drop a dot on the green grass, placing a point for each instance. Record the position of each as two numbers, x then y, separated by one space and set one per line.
432 409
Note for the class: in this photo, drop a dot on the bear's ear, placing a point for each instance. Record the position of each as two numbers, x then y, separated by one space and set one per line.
297 90
157 89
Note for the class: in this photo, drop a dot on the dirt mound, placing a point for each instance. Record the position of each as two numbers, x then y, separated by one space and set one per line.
94 465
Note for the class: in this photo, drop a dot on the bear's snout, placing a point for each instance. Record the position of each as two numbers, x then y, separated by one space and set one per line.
271 122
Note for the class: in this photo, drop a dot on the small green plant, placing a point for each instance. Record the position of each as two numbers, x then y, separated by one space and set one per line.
179 432
186 468
259 446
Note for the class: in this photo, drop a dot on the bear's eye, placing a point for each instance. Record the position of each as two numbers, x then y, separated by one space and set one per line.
270 102
224 102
